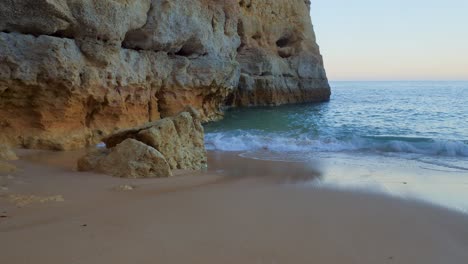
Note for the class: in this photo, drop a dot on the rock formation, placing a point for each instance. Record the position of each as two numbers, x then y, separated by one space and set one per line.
152 150
6 154
279 57
74 71
132 159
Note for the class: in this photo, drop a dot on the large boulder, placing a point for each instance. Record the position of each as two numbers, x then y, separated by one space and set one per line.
134 159
180 139
90 161
170 143
129 159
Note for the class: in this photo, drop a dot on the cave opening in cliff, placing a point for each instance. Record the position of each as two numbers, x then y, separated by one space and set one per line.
283 42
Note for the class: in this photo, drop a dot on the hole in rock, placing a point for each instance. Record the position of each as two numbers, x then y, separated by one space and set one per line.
283 42
257 36
190 49
243 3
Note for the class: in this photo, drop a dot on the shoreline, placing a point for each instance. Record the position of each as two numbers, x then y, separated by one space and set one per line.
239 211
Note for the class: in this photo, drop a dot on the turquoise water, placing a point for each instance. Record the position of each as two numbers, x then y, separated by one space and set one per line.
408 139
424 118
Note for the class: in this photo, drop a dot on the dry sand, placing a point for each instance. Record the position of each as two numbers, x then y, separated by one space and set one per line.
241 211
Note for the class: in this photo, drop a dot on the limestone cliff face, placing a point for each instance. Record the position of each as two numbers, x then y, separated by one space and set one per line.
72 71
279 56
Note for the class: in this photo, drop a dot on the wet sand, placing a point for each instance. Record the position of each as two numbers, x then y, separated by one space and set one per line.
240 211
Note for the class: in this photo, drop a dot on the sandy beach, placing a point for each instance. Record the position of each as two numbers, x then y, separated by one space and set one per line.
233 132
239 211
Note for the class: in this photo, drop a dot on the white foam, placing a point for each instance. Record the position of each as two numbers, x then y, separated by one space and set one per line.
249 141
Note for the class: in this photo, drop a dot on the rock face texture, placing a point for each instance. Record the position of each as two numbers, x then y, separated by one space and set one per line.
279 57
73 71
167 144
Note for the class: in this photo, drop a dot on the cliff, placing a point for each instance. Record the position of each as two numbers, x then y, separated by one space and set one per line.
73 71
279 57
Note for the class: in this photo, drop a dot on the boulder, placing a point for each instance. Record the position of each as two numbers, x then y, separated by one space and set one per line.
180 139
129 159
91 160
6 153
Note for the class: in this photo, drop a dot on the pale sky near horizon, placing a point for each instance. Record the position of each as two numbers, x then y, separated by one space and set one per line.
393 39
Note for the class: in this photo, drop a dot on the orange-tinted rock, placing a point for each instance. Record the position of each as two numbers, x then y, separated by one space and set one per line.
73 71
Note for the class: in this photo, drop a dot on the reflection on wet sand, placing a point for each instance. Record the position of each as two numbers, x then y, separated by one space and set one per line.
236 167
234 213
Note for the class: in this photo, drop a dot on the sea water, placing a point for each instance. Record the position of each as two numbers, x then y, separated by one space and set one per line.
408 139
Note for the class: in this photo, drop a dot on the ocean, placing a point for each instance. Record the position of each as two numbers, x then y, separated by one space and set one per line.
413 133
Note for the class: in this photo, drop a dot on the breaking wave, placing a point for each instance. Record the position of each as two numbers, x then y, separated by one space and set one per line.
239 140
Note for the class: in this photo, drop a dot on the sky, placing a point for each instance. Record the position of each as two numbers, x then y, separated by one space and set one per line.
393 39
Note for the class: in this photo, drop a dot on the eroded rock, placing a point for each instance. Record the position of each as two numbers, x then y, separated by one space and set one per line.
91 160
167 144
6 153
280 59
134 159
74 71
128 159
98 26
180 139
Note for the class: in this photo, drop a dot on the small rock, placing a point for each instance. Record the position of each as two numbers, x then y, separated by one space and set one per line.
124 188
6 153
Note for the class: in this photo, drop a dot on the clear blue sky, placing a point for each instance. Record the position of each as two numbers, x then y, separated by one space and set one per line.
393 39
